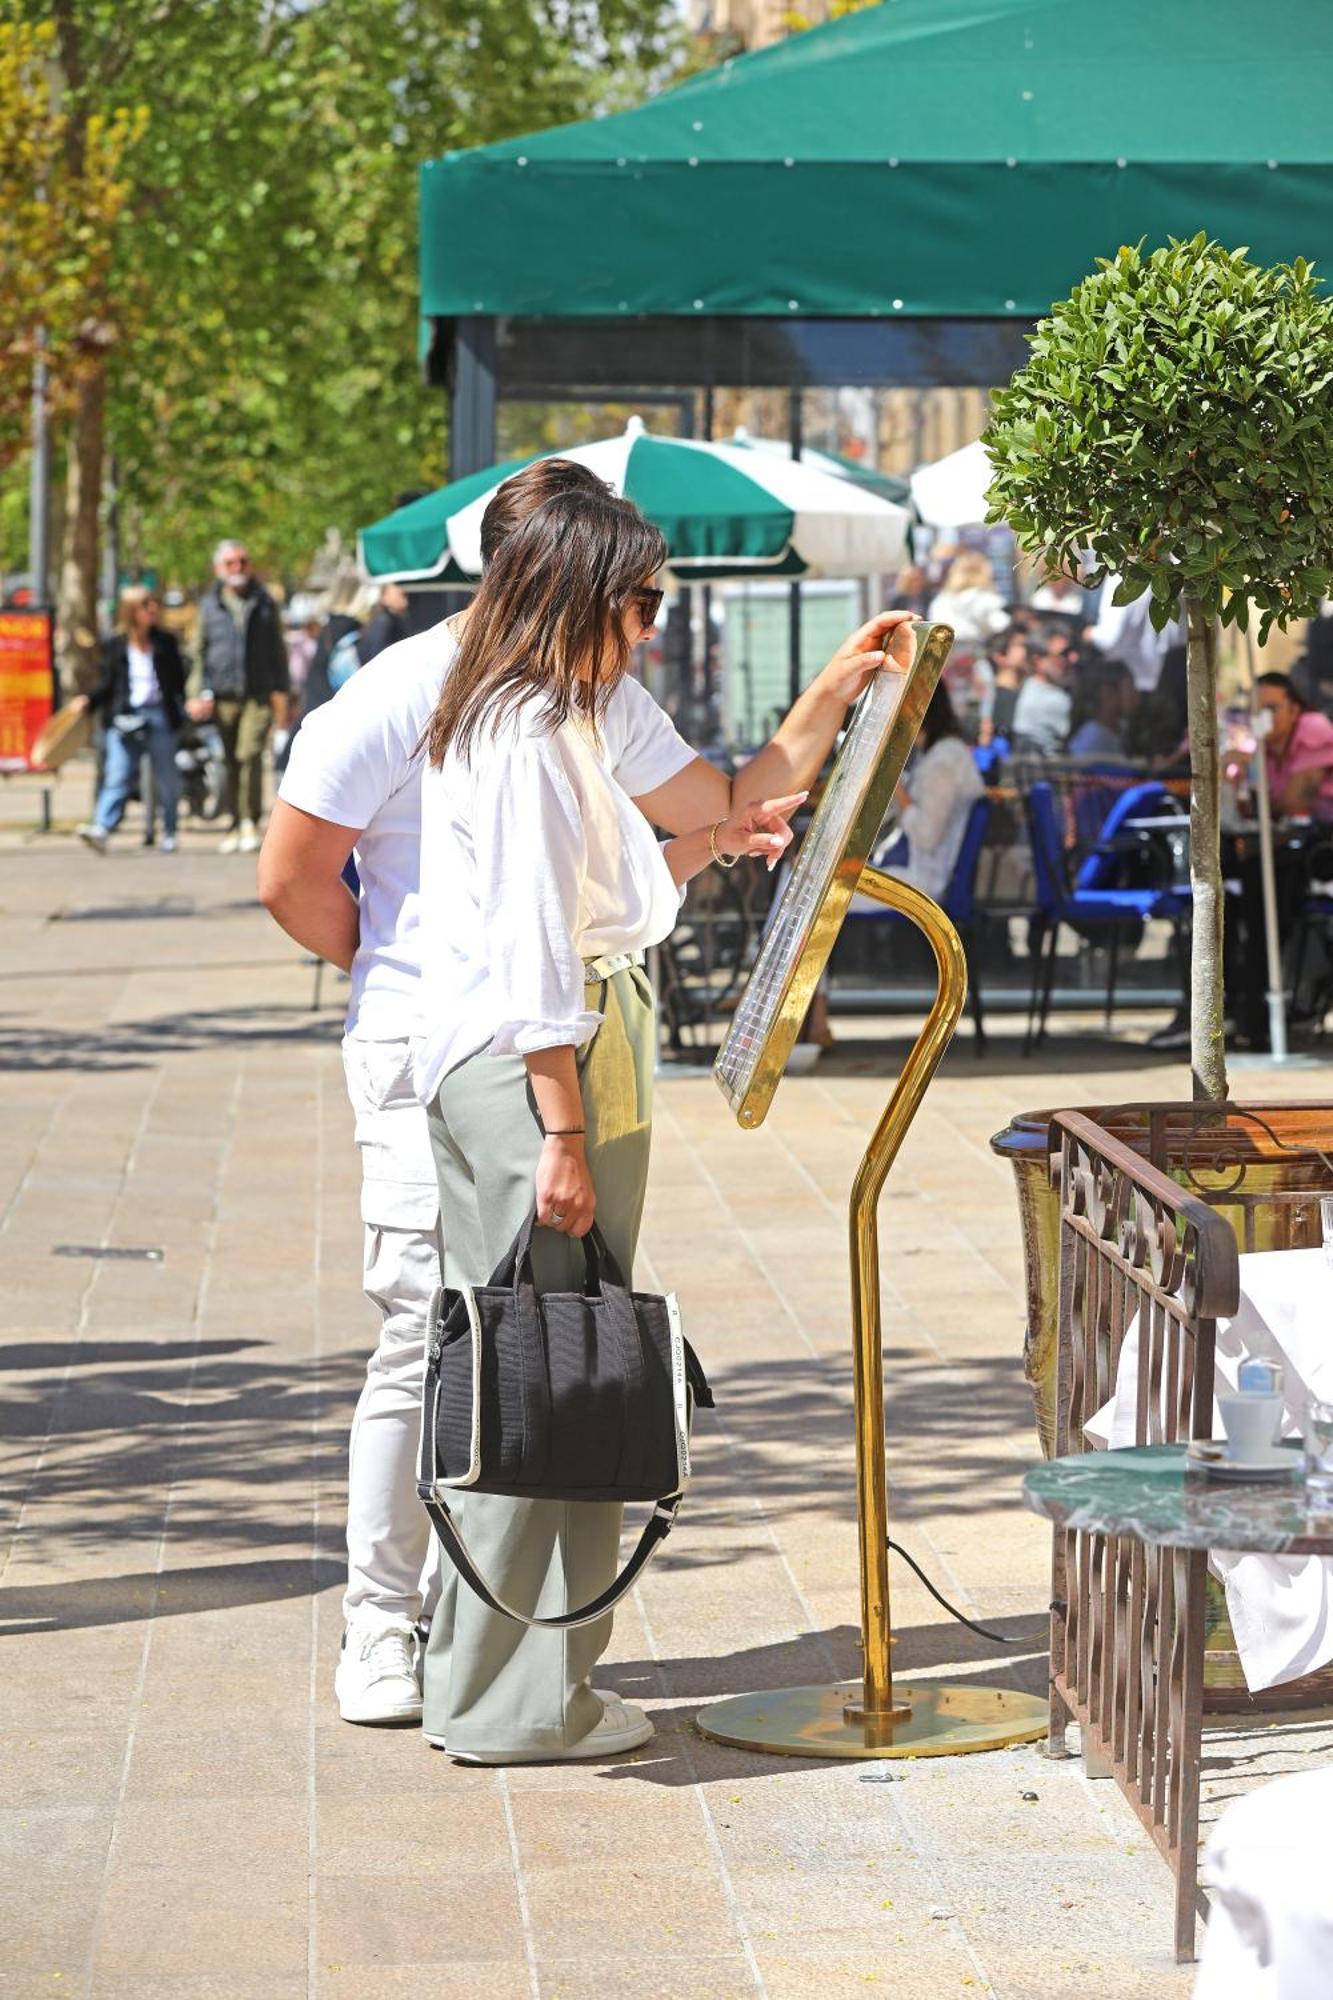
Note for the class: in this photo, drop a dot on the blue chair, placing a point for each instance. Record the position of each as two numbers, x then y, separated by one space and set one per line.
959 903
1103 863
1087 909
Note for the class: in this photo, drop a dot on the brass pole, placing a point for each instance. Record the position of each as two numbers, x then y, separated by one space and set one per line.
867 1341
929 1718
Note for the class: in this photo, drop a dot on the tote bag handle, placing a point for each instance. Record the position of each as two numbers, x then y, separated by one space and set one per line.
660 1523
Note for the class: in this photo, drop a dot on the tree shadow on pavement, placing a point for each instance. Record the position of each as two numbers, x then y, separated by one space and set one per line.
125 1045
122 1600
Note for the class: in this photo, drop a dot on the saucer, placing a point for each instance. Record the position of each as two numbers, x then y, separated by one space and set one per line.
1208 1455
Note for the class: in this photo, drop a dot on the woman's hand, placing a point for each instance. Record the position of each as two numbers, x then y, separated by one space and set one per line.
565 1198
760 829
885 640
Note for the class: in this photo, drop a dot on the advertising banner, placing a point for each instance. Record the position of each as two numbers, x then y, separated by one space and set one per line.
27 685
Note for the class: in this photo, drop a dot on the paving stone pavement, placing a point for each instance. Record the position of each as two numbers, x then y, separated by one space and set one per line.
183 1814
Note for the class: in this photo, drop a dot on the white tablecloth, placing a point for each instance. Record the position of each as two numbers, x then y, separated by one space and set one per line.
1281 1607
1268 1867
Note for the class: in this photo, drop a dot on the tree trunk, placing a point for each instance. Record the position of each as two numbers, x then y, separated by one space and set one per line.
76 600
1207 1034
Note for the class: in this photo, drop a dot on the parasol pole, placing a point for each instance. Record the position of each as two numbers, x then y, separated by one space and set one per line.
1277 997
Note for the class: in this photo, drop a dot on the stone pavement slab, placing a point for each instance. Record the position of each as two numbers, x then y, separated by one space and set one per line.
183 1814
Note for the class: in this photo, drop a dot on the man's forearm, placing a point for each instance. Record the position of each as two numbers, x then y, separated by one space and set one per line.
322 918
795 757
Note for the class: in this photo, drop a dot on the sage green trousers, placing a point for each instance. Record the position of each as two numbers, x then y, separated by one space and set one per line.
491 1684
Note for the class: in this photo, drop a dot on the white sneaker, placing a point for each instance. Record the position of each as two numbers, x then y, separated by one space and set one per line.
95 837
231 844
168 843
622 1727
249 842
379 1674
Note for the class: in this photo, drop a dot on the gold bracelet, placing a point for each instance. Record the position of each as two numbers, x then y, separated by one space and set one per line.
716 852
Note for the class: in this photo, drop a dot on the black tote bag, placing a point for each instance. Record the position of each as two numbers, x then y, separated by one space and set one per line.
585 1395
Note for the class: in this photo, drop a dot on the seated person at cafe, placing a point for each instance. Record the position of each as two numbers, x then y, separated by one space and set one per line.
1298 750
1008 656
1106 699
932 804
1044 710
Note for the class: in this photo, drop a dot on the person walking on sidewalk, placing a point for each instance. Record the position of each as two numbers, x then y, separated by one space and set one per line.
141 700
243 683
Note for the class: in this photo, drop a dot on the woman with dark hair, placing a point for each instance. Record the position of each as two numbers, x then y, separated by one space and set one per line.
542 884
933 802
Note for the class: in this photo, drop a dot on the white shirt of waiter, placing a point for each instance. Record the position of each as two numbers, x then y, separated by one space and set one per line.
534 859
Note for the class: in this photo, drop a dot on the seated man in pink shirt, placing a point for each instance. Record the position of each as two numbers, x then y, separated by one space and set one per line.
1299 749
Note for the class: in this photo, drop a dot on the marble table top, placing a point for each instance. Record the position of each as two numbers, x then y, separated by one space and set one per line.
1147 1491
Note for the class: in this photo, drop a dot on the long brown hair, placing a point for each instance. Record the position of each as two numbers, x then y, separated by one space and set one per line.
546 615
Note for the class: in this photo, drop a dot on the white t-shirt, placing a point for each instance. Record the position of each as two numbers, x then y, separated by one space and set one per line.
534 857
355 762
144 689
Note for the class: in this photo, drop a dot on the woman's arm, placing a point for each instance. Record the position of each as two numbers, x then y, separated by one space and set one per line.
564 1191
759 830
700 794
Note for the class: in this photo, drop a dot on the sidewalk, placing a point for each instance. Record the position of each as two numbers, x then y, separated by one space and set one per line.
184 1813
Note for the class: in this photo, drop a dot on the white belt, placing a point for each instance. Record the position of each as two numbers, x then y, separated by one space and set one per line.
597 969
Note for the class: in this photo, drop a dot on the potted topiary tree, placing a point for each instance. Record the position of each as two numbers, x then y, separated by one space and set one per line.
1175 424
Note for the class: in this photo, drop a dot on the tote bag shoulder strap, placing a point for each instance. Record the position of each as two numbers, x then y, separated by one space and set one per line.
660 1523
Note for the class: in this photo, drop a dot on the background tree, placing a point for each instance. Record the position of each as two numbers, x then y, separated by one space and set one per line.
61 205
269 384
1175 420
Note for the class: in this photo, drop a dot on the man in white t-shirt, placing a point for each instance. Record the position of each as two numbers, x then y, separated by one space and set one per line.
353 787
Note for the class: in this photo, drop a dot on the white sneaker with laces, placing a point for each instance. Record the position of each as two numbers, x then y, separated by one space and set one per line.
622 1727
231 843
249 840
379 1673
95 837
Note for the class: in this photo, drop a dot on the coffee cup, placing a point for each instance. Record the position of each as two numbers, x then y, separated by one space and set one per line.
1250 1422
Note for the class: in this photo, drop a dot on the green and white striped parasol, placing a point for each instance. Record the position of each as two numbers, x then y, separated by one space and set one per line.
725 509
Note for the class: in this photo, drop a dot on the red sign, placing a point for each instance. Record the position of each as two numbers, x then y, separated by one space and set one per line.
27 685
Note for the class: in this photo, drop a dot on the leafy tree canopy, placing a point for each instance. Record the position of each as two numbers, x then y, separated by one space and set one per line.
1176 419
271 386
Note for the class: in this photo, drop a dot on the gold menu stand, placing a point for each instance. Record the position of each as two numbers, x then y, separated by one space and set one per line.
874 1718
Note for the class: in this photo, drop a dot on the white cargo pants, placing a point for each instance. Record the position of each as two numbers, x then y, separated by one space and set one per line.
392 1559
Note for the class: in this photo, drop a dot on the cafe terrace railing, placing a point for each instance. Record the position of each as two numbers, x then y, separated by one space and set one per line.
1127 1621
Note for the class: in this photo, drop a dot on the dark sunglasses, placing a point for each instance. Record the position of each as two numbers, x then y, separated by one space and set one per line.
648 603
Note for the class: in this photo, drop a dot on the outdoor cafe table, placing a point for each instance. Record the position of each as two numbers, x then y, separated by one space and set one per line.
1146 1493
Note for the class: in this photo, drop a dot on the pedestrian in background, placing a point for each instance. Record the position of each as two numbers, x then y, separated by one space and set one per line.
1044 709
244 683
1107 700
970 602
387 623
141 699
1009 664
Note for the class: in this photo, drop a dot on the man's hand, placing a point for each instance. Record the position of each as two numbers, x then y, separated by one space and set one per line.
200 708
885 640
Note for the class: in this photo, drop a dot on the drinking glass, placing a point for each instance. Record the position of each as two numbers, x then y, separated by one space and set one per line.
1319 1453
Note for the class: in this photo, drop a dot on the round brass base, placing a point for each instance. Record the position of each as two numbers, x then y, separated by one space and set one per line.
946 1720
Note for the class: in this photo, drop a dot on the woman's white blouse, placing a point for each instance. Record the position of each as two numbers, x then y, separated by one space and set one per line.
534 857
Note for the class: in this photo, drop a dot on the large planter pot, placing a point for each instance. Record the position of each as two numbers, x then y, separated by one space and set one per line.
1261 1167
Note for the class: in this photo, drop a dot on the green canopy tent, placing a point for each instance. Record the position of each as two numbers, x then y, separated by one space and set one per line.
918 158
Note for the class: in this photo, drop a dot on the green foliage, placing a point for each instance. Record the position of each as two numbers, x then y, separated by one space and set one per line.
271 387
1176 418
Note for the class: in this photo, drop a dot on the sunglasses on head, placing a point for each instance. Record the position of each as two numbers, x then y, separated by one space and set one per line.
648 603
